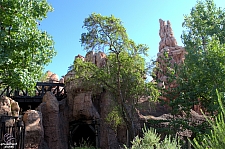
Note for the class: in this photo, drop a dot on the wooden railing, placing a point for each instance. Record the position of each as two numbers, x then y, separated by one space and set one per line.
58 89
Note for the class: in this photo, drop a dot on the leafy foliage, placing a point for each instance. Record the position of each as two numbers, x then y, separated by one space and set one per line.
124 72
151 140
216 138
114 117
203 70
204 66
24 49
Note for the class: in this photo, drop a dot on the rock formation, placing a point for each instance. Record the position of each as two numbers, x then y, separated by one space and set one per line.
8 106
34 132
170 54
99 59
55 131
166 35
52 78
84 105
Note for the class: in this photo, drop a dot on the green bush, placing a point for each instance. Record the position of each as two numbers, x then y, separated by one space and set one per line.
216 138
151 140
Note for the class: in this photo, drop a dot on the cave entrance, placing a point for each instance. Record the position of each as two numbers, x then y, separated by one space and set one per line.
84 134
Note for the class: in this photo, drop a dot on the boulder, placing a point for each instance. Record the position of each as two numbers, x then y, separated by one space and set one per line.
55 132
8 106
34 132
54 78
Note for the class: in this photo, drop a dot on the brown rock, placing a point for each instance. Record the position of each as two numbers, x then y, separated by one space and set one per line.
176 55
49 74
5 103
50 110
166 35
90 57
51 102
54 78
79 56
8 106
34 133
55 131
100 59
83 107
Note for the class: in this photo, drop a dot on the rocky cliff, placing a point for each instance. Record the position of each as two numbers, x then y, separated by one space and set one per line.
86 106
169 55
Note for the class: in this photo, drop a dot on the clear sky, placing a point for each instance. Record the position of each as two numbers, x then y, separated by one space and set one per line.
139 17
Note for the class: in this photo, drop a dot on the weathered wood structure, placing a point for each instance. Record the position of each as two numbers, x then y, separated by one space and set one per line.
27 101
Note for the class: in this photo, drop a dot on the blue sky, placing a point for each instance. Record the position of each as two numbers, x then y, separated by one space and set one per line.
139 17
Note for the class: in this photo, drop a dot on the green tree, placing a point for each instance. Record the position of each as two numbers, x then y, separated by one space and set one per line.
25 50
123 74
216 137
204 68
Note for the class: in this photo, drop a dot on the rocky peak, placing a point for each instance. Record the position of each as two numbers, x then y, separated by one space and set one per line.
166 35
168 46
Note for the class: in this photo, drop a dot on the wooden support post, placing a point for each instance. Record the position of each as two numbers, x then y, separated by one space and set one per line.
42 90
96 136
57 91
7 91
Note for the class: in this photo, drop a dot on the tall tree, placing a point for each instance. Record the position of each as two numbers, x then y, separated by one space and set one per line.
123 74
25 49
204 68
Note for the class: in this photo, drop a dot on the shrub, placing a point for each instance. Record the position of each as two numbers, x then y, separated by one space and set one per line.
151 140
216 138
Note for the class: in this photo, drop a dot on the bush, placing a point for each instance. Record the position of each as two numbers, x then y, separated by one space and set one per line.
151 140
216 138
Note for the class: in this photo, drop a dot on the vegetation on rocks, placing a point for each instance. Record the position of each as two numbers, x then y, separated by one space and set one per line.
124 72
202 72
25 50
198 78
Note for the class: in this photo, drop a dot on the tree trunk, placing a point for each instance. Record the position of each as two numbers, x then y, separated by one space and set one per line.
121 101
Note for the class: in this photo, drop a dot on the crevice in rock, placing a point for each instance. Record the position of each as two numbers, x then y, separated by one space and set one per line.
84 134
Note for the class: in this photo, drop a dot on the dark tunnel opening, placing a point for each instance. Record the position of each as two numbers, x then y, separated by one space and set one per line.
82 135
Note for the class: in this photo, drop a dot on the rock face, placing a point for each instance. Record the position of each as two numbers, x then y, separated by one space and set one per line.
99 59
8 106
52 77
55 131
169 54
166 35
34 132
79 98
108 136
85 105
